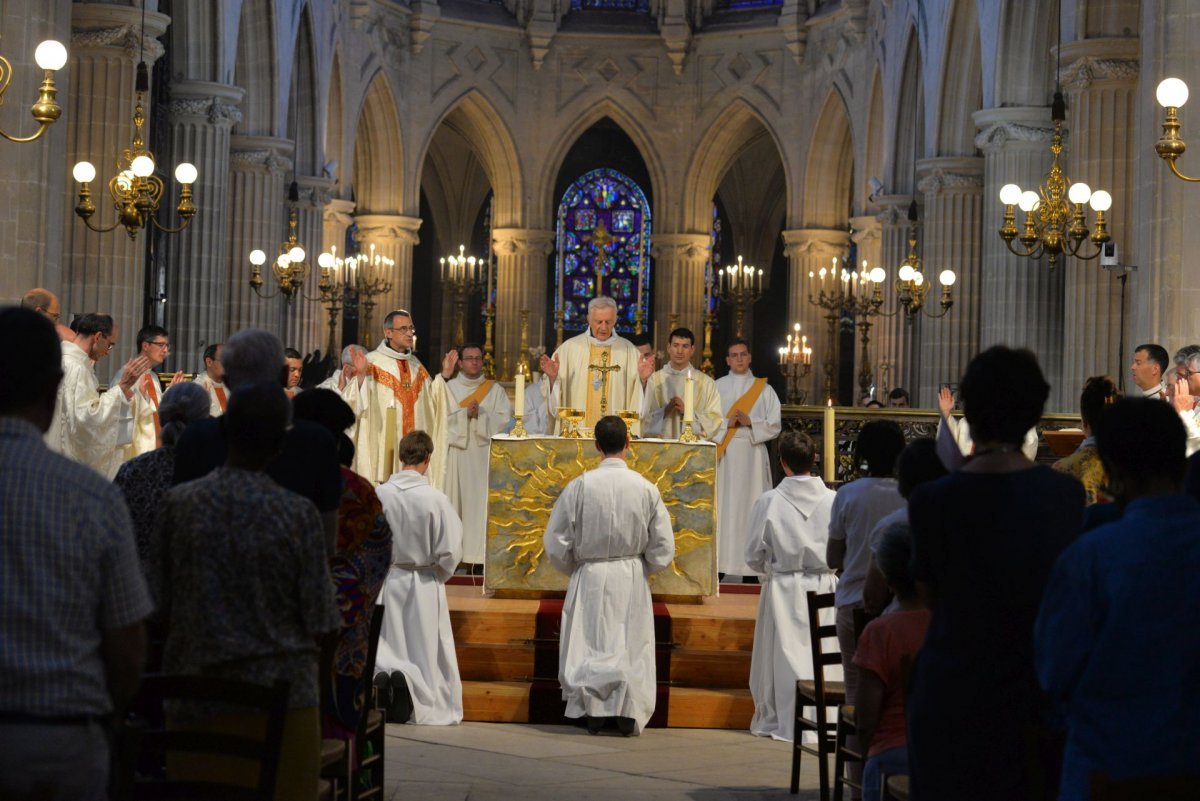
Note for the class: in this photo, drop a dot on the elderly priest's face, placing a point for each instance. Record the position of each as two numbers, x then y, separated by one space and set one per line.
602 320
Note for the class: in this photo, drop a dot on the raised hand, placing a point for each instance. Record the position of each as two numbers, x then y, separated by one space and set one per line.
175 379
549 367
645 366
134 369
674 406
1182 398
449 362
358 360
945 401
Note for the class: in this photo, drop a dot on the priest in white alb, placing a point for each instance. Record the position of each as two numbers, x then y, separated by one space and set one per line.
476 408
597 371
788 531
663 402
154 344
751 419
416 643
394 395
609 531
88 427
213 379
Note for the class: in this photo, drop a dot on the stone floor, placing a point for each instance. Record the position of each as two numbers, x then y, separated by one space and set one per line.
523 762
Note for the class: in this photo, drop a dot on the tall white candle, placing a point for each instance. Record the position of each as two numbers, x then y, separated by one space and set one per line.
519 396
829 456
688 397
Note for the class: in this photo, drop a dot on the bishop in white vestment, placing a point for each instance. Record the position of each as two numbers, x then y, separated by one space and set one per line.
477 408
789 528
751 419
662 407
609 531
596 371
416 638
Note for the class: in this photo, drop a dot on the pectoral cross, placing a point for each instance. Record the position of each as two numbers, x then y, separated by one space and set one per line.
601 381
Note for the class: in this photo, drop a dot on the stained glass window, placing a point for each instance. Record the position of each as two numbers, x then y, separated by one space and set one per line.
603 248
641 6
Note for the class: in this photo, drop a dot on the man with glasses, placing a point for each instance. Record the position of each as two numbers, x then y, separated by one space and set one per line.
153 344
394 396
477 407
89 427
1186 395
45 303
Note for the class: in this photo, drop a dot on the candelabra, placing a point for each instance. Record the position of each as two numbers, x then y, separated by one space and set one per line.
523 351
135 189
742 287
795 361
1171 94
912 286
462 275
51 56
706 362
856 294
363 277
289 268
489 323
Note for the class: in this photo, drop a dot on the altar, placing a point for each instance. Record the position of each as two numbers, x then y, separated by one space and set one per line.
526 475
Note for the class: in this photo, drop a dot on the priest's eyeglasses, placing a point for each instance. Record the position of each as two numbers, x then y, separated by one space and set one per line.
404 329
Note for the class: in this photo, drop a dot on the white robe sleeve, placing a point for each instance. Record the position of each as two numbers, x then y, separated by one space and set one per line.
708 409
562 530
660 550
759 548
495 416
766 417
653 405
95 423
447 540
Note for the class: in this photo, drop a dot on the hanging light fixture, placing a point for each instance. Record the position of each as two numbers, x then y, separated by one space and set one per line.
1171 94
289 268
135 189
51 56
912 285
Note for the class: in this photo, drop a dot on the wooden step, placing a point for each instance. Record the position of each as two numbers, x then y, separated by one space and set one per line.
496 701
695 708
713 669
483 662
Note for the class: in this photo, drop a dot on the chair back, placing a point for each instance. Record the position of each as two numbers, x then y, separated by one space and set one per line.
140 738
373 649
823 654
1155 788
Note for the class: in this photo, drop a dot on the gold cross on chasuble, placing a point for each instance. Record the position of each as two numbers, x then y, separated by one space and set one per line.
597 394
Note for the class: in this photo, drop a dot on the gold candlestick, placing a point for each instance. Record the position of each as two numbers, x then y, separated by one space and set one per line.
706 364
688 434
558 328
518 429
489 322
637 321
522 358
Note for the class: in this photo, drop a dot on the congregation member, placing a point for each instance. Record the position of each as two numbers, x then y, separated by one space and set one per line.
788 531
1149 371
238 569
884 657
212 380
1115 639
394 396
89 427
359 565
476 408
662 404
597 371
1099 392
155 345
45 303
984 539
307 464
72 639
416 646
143 480
752 418
898 398
1186 394
609 531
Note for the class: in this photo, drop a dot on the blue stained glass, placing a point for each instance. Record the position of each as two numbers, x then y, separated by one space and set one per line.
585 220
641 6
623 221
583 286
604 193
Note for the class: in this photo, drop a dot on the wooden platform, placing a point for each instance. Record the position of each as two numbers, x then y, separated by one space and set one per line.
709 663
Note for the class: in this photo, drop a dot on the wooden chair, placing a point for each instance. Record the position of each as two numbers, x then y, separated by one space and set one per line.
137 737
895 788
369 742
1152 788
818 693
844 755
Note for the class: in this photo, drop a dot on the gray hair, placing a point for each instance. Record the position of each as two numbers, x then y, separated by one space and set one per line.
252 356
601 302
182 404
1188 356
349 350
893 556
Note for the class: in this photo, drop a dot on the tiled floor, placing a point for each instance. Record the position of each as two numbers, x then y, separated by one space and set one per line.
521 762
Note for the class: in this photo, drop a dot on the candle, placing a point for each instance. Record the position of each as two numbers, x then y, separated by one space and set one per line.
688 398
519 396
487 292
560 288
641 274
782 355
829 456
443 270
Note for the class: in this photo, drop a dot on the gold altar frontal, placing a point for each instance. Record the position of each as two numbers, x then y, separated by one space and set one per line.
526 475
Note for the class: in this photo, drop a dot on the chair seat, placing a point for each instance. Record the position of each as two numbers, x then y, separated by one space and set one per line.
897 788
332 752
374 720
846 714
325 791
835 691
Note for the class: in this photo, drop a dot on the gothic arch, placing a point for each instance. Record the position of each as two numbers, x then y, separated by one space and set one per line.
544 202
876 141
1024 71
303 123
830 168
737 128
257 69
378 152
909 139
962 84
335 135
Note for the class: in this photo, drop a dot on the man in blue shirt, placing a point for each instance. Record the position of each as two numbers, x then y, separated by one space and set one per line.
1115 640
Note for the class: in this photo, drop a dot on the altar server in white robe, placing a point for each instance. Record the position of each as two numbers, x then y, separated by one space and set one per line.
596 371
416 639
154 343
476 408
393 396
662 408
789 528
213 379
609 531
752 419
88 427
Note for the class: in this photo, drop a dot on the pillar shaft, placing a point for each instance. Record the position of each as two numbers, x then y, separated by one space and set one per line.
393 236
306 325
679 262
865 232
807 251
521 272
897 337
337 217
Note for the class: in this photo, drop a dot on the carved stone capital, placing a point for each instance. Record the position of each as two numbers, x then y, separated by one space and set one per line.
1000 127
865 229
1102 59
522 242
315 191
101 25
214 102
938 174
265 152
815 243
681 247
340 212
388 229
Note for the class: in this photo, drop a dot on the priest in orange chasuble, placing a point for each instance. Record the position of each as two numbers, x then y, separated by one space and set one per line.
596 371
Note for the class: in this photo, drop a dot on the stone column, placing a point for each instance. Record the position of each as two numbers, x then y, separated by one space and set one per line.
35 176
954 226
897 336
521 273
865 232
679 261
1101 82
807 251
338 216
105 271
1022 303
393 236
307 324
259 167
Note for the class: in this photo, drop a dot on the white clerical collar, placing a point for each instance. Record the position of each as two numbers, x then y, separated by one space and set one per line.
742 377
606 343
1155 391
669 370
472 382
386 350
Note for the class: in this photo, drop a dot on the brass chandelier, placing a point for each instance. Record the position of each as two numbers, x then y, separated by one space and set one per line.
912 285
289 268
51 56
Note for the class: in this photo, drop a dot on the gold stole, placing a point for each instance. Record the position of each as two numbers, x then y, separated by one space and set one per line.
150 390
743 404
220 393
406 391
478 395
596 385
